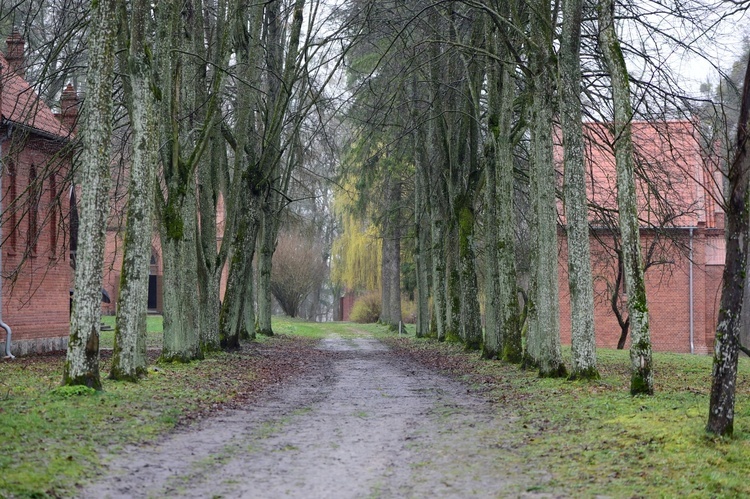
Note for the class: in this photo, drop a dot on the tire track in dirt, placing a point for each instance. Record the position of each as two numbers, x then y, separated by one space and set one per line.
363 424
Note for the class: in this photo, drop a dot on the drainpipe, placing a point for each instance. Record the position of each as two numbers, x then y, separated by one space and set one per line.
3 325
692 323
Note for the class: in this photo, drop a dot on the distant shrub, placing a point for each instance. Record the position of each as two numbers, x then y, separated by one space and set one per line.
408 311
366 309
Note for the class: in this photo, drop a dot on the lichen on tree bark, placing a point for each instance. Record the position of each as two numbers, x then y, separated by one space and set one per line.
82 362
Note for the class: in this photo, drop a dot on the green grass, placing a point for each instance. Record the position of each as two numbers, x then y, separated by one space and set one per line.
51 437
319 330
154 327
592 436
596 439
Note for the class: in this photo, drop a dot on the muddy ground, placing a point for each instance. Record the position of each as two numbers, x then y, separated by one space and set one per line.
361 423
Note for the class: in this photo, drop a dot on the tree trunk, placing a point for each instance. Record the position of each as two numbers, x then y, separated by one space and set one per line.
452 288
248 310
211 260
545 294
421 225
640 350
726 346
580 281
129 354
82 363
232 319
439 287
493 340
181 304
510 327
394 270
386 254
267 246
470 316
437 186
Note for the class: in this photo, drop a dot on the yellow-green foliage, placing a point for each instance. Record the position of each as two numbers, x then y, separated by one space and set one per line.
366 309
355 263
408 311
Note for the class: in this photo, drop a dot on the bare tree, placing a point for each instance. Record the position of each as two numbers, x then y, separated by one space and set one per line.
298 268
82 365
642 380
726 347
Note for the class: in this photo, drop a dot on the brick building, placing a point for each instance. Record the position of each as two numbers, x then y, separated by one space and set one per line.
36 270
682 237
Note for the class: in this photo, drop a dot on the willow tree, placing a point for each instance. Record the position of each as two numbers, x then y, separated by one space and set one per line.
355 254
82 363
641 380
129 353
580 282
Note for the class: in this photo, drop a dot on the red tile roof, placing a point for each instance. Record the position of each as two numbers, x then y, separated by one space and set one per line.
20 104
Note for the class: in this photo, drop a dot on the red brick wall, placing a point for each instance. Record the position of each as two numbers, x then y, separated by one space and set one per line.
667 290
347 303
36 298
113 269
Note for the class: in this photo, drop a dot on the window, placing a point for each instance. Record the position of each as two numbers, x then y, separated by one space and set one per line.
11 221
53 214
34 192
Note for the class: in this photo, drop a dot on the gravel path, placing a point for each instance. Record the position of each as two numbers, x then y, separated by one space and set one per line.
364 425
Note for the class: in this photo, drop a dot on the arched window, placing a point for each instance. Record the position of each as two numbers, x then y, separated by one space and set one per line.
11 206
34 191
53 214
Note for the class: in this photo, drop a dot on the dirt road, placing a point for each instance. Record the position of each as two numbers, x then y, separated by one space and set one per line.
364 424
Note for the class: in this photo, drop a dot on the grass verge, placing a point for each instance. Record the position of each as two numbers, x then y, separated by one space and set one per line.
154 329
52 438
595 439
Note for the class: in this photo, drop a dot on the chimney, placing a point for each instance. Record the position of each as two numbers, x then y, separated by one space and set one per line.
14 53
69 107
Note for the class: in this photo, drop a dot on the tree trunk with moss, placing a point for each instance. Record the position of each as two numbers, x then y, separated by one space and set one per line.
391 255
232 319
642 378
421 257
266 248
545 292
471 317
502 331
181 341
82 362
580 281
452 287
726 344
187 113
493 340
213 177
129 353
510 326
211 259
